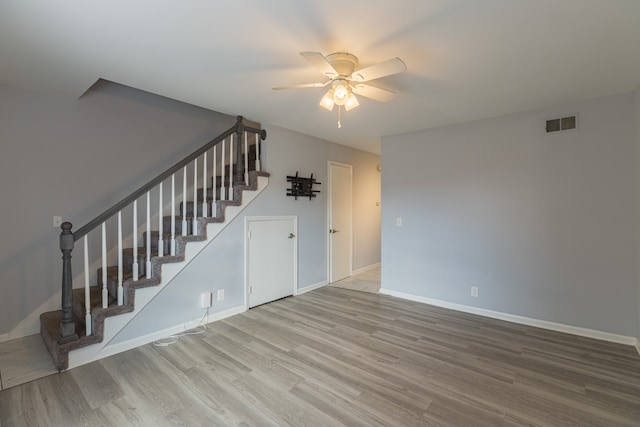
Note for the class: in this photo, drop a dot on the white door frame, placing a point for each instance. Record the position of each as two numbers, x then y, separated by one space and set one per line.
329 208
247 221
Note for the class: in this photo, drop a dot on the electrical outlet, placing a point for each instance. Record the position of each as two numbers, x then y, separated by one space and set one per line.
220 294
474 291
398 222
57 221
206 300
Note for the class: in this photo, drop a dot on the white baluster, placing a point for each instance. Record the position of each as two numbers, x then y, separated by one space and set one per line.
231 169
214 188
134 266
246 160
160 224
257 153
105 291
184 201
120 289
223 173
173 215
148 265
205 209
194 225
87 294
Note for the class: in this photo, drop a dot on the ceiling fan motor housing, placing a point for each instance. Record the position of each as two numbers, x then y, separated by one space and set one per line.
344 63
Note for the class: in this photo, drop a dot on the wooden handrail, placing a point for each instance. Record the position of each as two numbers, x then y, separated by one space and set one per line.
237 128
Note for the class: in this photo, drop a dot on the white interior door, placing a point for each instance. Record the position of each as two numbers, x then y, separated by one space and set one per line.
271 259
340 218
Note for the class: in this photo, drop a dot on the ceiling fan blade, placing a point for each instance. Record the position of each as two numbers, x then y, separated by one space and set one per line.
373 92
303 85
381 69
320 62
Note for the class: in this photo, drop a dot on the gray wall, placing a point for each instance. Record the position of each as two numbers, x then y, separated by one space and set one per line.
75 158
543 224
221 264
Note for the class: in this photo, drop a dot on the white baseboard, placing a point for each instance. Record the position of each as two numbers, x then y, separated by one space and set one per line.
367 268
544 324
4 337
311 287
167 332
638 345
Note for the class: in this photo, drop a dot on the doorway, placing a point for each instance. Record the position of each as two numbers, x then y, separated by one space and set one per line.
340 221
271 264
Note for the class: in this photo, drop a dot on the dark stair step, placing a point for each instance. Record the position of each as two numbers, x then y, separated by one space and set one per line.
50 331
166 225
218 192
127 257
127 269
95 296
112 278
198 210
166 242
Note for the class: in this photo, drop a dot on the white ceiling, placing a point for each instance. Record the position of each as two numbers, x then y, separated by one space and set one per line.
466 59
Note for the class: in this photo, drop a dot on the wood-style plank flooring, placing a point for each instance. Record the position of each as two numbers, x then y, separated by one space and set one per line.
338 357
24 359
367 281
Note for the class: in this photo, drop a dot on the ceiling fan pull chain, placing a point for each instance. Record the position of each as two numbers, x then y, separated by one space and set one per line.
339 124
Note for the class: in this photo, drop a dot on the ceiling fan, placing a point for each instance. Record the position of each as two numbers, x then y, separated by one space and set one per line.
346 81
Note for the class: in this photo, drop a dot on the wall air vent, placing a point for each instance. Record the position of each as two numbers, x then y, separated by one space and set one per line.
562 123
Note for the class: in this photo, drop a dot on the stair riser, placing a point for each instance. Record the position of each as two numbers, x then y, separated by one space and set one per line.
166 242
219 191
166 225
112 281
127 261
190 210
252 163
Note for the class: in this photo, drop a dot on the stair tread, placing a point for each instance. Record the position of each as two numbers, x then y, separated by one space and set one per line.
95 296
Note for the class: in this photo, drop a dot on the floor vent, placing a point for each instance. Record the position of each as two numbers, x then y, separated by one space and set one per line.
562 123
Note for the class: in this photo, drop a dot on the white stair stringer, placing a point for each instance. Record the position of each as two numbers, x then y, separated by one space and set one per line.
114 324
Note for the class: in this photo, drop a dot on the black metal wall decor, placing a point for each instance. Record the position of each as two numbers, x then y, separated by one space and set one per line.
302 187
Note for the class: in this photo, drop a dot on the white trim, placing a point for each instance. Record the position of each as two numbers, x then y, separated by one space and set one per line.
164 333
4 337
312 287
329 209
544 324
365 269
638 345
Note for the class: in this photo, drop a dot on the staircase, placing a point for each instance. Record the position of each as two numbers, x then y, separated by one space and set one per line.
127 279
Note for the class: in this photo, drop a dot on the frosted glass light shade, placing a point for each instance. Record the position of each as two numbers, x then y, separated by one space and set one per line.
327 100
340 94
352 102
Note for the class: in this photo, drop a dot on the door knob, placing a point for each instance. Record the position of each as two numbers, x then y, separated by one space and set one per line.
333 230
291 235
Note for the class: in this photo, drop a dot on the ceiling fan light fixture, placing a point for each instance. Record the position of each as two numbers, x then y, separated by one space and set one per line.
352 102
340 94
327 101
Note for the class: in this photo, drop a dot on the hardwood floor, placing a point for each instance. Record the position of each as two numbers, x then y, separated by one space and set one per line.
335 357
24 359
367 281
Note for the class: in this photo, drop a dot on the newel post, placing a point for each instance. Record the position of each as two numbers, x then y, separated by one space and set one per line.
238 176
67 325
